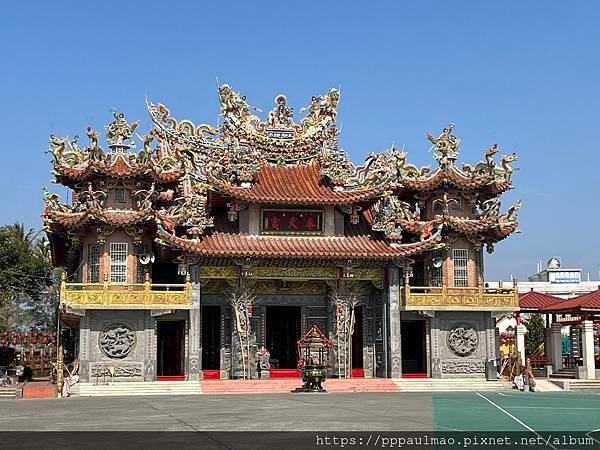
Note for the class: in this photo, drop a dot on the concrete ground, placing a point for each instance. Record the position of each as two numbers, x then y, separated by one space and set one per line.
265 412
528 413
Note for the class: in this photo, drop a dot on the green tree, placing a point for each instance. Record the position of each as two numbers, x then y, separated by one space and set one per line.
27 287
535 325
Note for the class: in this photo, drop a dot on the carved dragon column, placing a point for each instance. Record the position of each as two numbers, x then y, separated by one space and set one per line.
393 300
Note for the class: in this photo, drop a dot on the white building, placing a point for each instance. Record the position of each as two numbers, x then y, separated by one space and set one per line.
553 280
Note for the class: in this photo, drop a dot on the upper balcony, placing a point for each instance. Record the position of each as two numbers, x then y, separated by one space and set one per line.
479 298
125 296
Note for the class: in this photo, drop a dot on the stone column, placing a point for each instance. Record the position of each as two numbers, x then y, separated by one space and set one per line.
587 340
497 338
520 341
395 356
195 336
84 348
556 347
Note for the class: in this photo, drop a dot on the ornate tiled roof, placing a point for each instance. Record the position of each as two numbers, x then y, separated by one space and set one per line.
117 166
458 178
297 184
357 244
114 217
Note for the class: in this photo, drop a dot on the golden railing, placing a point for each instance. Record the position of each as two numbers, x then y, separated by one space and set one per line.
125 296
448 298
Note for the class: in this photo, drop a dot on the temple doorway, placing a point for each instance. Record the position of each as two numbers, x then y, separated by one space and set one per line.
170 337
357 344
282 332
413 348
211 337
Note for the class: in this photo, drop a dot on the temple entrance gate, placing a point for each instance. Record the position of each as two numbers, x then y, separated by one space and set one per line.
413 342
211 337
283 329
170 349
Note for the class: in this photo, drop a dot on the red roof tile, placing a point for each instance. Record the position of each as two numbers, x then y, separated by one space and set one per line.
298 184
457 178
358 246
110 216
533 300
589 301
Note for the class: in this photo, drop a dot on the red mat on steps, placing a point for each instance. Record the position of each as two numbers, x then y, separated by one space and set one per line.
414 375
357 373
211 374
171 378
284 373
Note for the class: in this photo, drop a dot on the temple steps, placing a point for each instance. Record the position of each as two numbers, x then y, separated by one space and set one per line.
278 386
8 392
139 388
578 385
564 373
450 385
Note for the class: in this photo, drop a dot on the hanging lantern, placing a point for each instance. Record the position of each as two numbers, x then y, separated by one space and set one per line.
5 334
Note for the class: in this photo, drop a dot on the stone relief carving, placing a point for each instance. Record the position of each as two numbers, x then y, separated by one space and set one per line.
121 370
117 340
459 366
462 340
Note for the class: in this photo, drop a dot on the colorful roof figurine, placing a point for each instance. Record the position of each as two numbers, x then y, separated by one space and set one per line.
73 164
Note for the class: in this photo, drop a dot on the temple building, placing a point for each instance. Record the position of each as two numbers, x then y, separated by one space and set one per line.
184 257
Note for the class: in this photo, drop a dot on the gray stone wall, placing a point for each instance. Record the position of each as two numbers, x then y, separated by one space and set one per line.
461 343
125 341
130 333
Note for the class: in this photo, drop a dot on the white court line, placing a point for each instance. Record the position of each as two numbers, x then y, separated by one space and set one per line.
515 419
503 395
593 431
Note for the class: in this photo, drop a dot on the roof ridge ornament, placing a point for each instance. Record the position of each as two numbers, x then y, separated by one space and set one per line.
445 146
119 132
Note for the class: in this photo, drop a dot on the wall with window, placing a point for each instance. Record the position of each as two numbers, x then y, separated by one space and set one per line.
115 261
457 205
119 197
461 264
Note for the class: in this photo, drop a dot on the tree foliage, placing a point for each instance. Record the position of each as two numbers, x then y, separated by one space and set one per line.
535 325
27 287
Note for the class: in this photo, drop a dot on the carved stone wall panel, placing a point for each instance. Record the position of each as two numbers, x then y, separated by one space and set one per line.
463 366
128 370
461 339
491 337
117 340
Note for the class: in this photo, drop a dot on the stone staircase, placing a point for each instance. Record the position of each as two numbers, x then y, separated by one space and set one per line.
564 374
286 385
584 385
8 392
577 385
139 388
450 385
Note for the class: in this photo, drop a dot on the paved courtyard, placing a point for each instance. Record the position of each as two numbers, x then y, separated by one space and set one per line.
459 411
449 412
268 412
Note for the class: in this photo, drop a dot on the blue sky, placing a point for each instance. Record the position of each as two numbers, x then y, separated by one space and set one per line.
521 74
